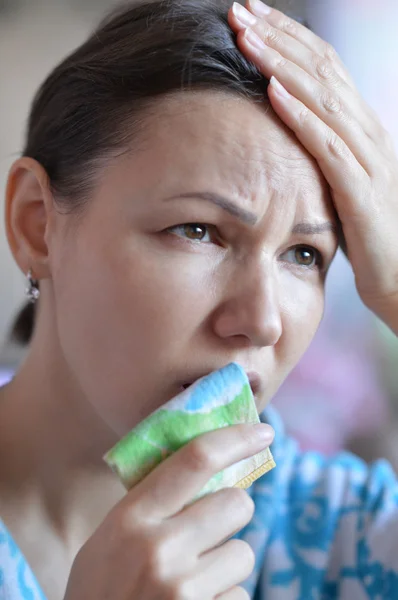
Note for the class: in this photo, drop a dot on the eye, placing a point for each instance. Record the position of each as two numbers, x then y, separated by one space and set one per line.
196 232
305 256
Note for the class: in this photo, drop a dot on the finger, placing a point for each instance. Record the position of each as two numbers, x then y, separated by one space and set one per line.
213 519
178 479
289 47
235 593
346 177
223 568
290 61
343 116
300 33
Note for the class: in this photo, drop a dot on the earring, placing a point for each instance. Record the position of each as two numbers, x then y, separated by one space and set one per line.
32 291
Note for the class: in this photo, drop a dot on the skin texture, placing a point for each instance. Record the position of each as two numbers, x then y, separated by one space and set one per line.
129 299
316 97
130 311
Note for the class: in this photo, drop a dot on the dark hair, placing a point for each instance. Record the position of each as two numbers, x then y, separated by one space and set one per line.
92 104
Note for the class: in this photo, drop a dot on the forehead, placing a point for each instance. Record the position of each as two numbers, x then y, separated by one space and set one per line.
217 142
222 140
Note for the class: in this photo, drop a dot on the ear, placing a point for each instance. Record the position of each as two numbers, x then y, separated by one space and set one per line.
28 211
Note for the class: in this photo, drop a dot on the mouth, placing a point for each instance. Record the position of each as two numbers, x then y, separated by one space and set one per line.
254 380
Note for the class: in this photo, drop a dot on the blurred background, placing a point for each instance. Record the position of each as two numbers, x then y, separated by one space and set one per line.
344 392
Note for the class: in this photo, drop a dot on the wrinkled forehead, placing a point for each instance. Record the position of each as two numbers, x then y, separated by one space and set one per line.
220 140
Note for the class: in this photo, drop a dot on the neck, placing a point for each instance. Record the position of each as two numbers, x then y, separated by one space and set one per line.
52 443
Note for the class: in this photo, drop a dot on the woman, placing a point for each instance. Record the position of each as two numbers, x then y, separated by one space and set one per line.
179 214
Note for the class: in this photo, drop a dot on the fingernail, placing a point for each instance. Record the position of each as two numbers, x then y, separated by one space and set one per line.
278 87
264 432
259 8
243 16
253 39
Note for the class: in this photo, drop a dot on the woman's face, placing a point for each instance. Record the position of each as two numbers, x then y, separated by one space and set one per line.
208 244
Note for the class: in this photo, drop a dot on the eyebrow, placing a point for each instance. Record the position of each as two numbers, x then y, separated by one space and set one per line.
250 218
242 214
314 229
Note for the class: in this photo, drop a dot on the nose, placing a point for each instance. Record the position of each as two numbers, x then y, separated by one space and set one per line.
251 310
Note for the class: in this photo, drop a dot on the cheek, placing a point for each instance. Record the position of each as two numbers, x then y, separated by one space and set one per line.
302 313
301 307
126 316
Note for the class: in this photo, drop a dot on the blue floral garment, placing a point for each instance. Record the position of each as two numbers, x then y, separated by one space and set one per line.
17 581
323 529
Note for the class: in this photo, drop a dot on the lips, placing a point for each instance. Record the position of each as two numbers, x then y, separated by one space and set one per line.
254 380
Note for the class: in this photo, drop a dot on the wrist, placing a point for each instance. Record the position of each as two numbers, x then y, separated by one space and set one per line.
388 313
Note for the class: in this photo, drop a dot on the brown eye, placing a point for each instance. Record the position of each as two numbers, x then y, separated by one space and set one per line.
196 232
305 256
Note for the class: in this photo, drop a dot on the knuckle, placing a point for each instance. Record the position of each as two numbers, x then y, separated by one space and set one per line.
324 69
303 116
284 23
272 37
288 26
281 63
334 146
331 104
198 456
124 523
